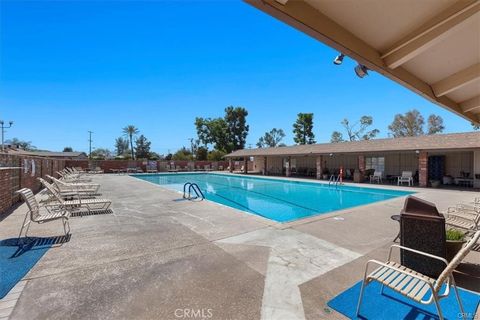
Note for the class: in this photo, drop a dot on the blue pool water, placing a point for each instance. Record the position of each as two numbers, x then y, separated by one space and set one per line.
279 200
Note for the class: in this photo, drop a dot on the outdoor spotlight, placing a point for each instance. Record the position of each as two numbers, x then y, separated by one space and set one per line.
338 59
417 151
361 70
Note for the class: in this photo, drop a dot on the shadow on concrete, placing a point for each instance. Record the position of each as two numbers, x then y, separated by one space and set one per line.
26 244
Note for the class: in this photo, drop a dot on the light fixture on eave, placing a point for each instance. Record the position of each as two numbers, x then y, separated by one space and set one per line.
361 70
338 59
284 2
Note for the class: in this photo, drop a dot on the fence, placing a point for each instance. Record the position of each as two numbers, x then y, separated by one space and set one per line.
17 172
109 166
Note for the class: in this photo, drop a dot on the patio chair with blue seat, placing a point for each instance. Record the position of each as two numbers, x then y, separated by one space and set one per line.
376 177
414 285
407 177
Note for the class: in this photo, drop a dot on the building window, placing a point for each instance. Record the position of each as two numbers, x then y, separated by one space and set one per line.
376 163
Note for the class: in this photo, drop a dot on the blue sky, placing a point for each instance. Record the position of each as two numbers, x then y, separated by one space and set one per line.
67 67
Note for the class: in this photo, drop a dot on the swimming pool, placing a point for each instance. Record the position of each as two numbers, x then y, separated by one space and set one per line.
275 199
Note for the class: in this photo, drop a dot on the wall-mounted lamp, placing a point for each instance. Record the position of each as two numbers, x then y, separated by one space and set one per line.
361 70
338 59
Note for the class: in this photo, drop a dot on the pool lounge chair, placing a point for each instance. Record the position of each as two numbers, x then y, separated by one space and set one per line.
414 285
72 178
465 218
91 204
407 177
62 186
376 177
34 214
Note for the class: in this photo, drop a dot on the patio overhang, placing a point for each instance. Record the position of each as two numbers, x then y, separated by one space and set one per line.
430 47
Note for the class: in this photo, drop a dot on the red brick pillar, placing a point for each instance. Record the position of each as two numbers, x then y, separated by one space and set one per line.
265 169
319 162
359 176
361 164
288 166
423 169
245 165
230 165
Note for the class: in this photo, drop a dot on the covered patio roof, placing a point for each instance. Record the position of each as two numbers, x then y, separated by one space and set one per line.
431 46
454 141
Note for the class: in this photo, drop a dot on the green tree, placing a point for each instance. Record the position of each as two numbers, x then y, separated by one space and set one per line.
130 131
182 154
356 131
225 134
337 137
215 155
25 145
121 146
412 122
409 124
201 154
303 129
101 154
142 147
271 139
67 149
214 132
168 157
435 124
236 120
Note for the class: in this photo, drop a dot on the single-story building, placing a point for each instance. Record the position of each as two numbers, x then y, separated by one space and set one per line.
50 154
442 158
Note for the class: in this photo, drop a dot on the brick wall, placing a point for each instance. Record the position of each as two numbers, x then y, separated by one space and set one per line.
6 199
108 165
23 176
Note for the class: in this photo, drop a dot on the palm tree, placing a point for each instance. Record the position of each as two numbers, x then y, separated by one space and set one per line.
129 131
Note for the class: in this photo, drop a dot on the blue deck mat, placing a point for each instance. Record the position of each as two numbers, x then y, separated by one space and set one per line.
16 260
392 305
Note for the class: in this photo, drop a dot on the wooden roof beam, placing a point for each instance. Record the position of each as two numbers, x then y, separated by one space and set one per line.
471 105
432 32
457 80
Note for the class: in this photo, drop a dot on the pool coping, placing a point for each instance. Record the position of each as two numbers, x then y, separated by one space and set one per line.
300 221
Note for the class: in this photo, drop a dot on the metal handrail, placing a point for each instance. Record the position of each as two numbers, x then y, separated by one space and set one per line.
185 189
192 186
196 188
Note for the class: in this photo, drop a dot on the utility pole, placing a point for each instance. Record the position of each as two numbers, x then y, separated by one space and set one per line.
2 124
90 144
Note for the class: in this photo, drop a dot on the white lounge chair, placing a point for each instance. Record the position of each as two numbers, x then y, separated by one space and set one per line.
34 213
463 217
376 177
407 177
83 188
91 204
414 285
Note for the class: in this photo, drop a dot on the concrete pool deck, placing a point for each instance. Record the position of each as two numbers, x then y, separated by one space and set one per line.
160 257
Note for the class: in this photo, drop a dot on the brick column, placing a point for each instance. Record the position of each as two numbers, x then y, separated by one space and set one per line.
230 164
245 165
288 166
319 167
265 169
423 169
358 176
361 164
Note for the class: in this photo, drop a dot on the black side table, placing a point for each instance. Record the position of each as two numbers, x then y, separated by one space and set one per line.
396 217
